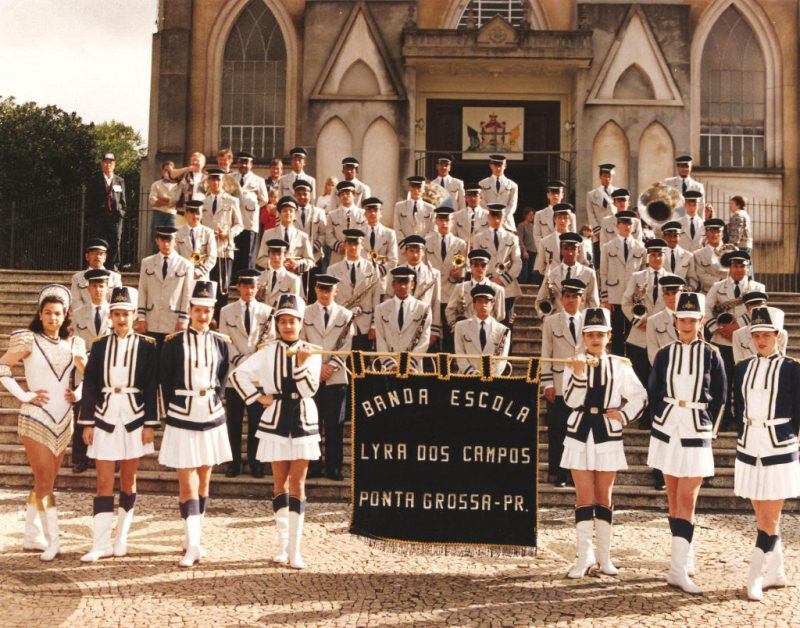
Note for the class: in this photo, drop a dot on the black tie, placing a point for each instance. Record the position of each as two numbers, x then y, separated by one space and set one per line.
303 216
353 275
286 236
496 240
274 278
684 187
736 291
444 249
572 329
569 272
214 206
497 184
655 287
672 260
327 317
194 241
625 249
441 181
691 228
400 317
415 210
247 318
605 199
164 269
98 320
372 239
241 181
483 335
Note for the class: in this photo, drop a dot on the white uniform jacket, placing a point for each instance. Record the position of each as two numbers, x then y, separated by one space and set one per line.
467 342
368 281
205 246
615 271
339 220
556 274
543 224
286 183
453 246
507 195
314 227
337 336
228 218
467 223
723 292
557 342
415 334
642 280
507 252
599 205
80 287
461 299
299 246
406 223
285 283
243 344
165 301
660 332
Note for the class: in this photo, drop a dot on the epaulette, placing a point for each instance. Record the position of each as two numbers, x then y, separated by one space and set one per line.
98 338
713 346
149 339
171 336
225 337
622 359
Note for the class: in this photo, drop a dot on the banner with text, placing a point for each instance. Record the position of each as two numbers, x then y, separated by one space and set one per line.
447 462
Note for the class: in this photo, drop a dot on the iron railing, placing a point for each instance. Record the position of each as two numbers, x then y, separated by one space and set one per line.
50 233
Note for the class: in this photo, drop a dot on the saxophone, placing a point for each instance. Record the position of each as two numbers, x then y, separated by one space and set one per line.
724 312
461 308
351 303
263 335
547 306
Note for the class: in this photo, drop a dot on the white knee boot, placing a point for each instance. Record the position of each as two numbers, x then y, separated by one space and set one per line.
35 540
297 508
49 518
103 517
604 530
682 532
192 521
280 504
584 529
755 579
775 576
124 521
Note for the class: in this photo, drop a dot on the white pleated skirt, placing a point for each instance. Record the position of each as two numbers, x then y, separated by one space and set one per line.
591 456
777 481
118 445
274 448
187 449
674 459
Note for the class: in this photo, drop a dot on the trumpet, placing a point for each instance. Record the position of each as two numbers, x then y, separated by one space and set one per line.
459 261
376 257
198 258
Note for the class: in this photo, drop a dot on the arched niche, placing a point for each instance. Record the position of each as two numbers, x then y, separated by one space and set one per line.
611 146
334 143
380 163
656 155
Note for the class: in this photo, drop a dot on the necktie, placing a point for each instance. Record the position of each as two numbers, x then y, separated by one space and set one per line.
691 228
497 184
572 329
672 260
98 320
348 217
296 178
241 181
569 272
164 269
483 335
625 249
352 275
684 186
605 200
247 318
655 287
372 239
444 249
286 236
441 181
496 240
303 216
214 206
327 317
194 241
415 210
274 278
400 317
736 291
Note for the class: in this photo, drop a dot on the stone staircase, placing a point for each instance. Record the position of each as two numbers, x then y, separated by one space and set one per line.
18 291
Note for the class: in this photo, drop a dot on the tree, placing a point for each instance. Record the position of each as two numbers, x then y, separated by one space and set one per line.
46 151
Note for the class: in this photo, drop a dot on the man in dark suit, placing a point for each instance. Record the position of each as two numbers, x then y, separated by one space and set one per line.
106 208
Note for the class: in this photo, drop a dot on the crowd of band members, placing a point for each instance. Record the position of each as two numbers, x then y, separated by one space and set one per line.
443 277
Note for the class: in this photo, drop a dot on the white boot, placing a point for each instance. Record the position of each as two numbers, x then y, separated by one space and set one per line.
586 559
690 568
124 521
192 555
774 576
280 504
677 576
296 517
754 577
49 517
35 540
604 531
101 546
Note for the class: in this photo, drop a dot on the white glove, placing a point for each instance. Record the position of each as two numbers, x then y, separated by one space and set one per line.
7 379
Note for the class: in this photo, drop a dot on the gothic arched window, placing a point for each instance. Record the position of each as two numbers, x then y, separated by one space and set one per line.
254 84
732 96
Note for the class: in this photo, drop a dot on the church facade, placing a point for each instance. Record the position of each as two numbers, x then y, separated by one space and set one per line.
559 86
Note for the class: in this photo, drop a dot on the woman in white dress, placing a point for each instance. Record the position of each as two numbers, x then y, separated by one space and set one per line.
119 412
605 395
767 471
687 390
283 376
50 357
193 371
324 200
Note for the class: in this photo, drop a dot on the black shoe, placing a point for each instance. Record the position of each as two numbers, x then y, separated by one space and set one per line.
257 471
233 471
706 483
80 467
335 474
561 481
658 481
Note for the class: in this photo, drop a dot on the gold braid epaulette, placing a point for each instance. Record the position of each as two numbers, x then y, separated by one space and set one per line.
149 339
225 337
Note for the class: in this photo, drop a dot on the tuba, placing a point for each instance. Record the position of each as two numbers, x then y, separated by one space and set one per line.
657 205
546 306
639 295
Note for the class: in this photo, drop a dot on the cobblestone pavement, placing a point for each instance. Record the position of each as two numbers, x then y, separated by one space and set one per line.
350 583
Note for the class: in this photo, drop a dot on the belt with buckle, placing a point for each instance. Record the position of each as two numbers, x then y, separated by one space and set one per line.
592 410
692 405
293 395
121 390
202 392
765 422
